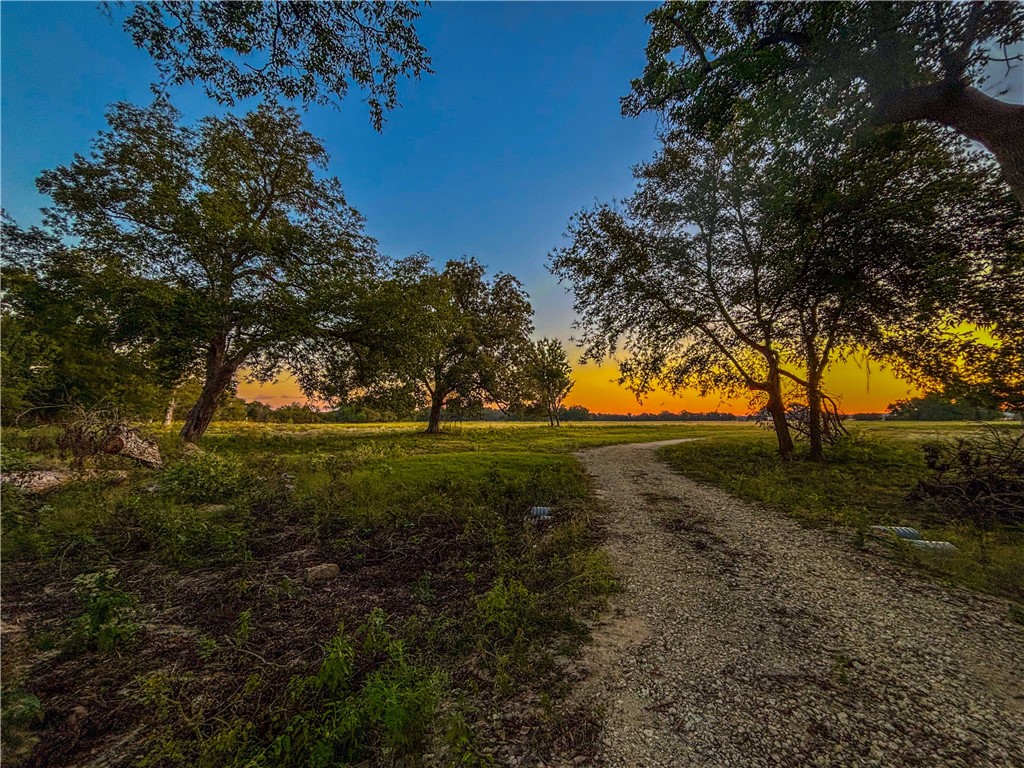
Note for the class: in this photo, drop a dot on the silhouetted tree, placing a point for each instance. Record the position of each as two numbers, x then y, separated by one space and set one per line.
548 377
813 72
429 337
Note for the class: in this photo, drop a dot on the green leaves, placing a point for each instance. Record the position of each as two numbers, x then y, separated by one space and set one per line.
819 73
436 338
311 52
222 244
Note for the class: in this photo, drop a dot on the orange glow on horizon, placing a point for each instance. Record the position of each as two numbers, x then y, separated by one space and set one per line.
858 391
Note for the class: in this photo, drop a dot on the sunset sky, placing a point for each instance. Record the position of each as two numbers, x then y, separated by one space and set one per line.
861 389
518 128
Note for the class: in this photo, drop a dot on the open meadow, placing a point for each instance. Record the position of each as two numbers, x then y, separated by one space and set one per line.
327 594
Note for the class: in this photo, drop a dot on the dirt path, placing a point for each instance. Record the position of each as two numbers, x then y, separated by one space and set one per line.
745 640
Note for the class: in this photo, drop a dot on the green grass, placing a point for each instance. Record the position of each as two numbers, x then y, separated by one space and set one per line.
450 607
866 481
431 537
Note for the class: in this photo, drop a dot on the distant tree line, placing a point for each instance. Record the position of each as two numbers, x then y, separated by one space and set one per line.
937 407
235 409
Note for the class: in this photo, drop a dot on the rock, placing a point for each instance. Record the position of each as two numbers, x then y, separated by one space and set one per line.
191 449
322 572
78 714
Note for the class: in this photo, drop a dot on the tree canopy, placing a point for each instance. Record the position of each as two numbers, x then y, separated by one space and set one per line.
72 327
311 52
814 72
436 338
234 217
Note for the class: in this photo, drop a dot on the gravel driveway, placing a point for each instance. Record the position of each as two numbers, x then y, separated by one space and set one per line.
742 639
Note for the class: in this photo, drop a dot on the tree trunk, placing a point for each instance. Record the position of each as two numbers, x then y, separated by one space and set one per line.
777 409
169 415
995 124
219 373
436 404
814 418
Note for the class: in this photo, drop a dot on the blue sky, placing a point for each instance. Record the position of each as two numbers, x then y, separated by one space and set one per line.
518 128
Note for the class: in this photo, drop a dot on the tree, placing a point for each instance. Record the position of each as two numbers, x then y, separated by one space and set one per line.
231 215
549 377
752 266
257 412
62 344
934 406
429 337
894 233
312 52
682 281
818 71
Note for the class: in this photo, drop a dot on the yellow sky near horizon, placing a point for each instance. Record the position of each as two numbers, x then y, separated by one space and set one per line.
859 390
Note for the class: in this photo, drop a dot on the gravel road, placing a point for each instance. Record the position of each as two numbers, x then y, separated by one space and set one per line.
742 639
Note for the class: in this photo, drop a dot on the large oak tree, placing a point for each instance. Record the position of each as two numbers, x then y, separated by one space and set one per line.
233 213
811 71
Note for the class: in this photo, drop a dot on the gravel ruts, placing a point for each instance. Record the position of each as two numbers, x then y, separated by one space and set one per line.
742 639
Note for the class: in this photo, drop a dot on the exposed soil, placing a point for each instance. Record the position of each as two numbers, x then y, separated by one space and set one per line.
743 639
94 707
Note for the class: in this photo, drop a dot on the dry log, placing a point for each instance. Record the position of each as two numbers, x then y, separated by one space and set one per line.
46 480
121 440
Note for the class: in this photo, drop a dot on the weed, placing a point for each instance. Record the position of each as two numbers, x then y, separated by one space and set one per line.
507 611
242 627
206 478
460 745
392 708
13 460
185 537
207 648
20 712
109 618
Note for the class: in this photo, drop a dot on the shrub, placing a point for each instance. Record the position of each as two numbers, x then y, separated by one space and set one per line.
109 617
979 478
187 537
206 478
392 708
507 611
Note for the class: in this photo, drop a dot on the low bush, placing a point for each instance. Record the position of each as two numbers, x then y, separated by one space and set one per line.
108 621
206 478
979 478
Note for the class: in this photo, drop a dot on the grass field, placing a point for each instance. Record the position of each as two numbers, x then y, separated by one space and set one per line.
171 617
866 482
174 606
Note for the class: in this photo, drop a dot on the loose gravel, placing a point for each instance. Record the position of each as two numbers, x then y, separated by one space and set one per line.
742 639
